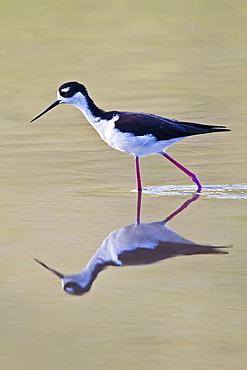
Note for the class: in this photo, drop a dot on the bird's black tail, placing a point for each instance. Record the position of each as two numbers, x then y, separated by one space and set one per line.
206 249
203 128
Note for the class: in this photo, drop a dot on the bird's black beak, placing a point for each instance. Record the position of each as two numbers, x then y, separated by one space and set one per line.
47 109
61 276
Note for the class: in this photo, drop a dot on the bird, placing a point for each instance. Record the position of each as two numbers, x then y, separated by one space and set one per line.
134 245
139 134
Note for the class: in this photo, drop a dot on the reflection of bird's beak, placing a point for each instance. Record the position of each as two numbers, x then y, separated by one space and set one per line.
61 276
47 109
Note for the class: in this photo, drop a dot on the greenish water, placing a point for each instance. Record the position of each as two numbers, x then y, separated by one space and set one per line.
63 191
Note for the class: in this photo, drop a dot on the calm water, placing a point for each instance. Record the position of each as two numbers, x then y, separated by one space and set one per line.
63 191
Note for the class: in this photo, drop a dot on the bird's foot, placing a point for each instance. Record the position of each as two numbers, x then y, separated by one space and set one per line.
197 182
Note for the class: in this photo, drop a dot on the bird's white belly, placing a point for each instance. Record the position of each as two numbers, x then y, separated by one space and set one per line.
139 146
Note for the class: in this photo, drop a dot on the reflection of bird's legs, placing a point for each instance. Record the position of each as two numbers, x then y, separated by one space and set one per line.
183 206
138 207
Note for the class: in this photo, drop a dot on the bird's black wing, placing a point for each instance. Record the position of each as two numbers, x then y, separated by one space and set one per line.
162 128
164 250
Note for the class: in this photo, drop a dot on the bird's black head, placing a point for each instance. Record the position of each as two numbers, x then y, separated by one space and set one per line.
65 95
69 89
73 288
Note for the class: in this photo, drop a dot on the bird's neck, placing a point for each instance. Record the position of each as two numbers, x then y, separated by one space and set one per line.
90 110
86 277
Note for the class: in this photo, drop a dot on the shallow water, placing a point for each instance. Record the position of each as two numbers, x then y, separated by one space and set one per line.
63 191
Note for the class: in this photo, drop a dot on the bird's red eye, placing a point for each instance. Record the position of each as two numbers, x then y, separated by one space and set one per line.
65 91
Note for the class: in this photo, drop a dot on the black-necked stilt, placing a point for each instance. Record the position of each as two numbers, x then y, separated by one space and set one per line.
132 245
139 134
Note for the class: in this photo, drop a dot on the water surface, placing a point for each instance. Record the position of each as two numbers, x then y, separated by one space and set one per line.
63 191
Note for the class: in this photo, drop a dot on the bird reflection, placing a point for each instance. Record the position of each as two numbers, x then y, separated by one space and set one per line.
132 245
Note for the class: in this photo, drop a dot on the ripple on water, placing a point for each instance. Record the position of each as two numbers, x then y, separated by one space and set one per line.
236 191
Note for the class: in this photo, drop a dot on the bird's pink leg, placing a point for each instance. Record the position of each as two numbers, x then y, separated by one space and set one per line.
138 175
190 174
